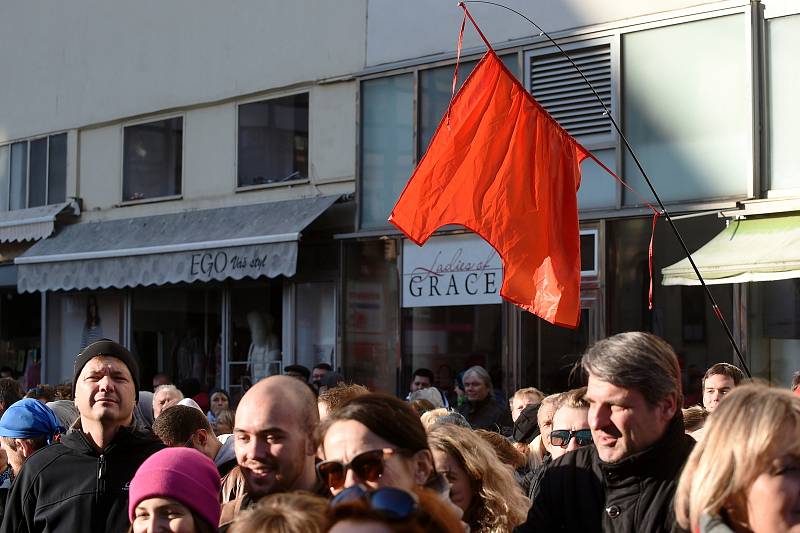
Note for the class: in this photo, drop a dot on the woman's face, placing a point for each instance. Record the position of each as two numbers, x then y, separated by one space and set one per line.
475 389
163 515
773 500
346 439
460 485
218 402
359 526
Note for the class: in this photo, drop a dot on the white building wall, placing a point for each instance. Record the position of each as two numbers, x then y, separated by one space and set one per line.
415 28
70 64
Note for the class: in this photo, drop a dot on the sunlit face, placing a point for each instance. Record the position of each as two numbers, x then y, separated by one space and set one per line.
519 403
570 419
272 444
105 391
218 402
419 383
346 439
622 421
773 500
714 389
162 515
545 420
460 485
15 457
163 399
475 389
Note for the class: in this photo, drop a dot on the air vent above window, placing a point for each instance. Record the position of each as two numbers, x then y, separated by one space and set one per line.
561 90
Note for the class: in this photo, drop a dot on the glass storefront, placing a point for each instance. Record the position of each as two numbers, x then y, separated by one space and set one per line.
773 317
20 335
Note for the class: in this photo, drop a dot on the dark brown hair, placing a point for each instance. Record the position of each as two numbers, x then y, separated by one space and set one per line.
176 424
388 417
337 396
725 369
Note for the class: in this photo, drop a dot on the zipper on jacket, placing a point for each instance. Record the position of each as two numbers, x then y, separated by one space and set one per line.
101 477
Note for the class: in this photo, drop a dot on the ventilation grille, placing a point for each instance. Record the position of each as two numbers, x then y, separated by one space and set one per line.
561 90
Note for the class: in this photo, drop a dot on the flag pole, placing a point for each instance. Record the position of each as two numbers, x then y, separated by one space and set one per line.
714 306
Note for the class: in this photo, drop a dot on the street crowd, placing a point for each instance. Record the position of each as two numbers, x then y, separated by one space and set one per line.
308 451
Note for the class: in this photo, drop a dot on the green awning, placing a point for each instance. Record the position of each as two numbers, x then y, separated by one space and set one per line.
756 249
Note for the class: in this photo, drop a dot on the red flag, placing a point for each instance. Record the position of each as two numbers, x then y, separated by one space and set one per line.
502 167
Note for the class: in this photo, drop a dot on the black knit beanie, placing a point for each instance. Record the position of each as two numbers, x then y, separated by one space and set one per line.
108 348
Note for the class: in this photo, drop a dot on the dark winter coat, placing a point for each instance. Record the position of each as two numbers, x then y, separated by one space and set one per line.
71 486
580 493
487 414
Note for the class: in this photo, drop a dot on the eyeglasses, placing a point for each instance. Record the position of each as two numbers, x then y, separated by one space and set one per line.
561 437
368 466
393 503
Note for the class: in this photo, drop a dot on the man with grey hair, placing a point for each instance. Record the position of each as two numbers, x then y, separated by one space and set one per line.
481 410
626 481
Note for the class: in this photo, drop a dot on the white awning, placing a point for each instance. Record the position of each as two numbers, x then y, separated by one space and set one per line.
205 245
755 249
34 223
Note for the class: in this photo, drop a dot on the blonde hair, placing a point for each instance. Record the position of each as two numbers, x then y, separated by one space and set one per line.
530 392
744 435
287 512
498 504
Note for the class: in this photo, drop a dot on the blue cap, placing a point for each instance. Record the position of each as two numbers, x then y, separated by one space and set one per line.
29 418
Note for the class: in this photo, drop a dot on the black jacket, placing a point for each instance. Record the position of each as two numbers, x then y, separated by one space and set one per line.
71 486
487 414
580 493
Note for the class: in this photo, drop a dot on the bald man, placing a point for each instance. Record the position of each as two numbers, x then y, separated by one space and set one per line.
274 428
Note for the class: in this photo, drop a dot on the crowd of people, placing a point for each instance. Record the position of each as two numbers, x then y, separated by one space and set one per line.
308 451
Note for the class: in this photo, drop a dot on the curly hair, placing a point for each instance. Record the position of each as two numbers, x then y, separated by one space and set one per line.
498 504
293 512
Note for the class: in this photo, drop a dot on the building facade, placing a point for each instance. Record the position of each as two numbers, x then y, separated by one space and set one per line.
216 184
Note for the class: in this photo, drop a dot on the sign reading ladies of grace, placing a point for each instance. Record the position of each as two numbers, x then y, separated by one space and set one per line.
451 270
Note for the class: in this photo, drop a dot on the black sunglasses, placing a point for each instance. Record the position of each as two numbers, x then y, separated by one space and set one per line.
561 437
395 504
368 466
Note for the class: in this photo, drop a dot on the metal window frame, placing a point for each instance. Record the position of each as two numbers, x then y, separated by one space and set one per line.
28 141
140 122
265 98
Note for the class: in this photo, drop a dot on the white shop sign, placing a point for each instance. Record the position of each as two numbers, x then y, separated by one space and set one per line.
451 270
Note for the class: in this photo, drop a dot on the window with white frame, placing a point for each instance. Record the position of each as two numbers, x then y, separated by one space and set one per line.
273 140
33 172
558 86
152 160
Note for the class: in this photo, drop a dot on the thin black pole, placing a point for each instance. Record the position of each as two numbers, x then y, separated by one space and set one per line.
607 112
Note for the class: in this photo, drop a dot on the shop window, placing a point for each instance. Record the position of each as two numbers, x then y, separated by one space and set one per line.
449 340
176 331
783 78
371 304
152 160
387 151
256 332
315 323
773 318
20 335
74 320
33 173
691 135
273 140
680 315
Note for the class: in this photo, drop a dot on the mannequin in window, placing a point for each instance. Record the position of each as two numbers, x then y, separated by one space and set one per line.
265 347
92 330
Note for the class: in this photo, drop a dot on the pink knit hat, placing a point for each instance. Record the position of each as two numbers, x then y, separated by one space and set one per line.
182 474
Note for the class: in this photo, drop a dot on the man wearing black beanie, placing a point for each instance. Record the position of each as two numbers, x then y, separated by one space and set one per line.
81 483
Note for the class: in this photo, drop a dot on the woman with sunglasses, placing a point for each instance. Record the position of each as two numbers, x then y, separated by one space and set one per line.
374 440
745 473
570 424
480 484
390 510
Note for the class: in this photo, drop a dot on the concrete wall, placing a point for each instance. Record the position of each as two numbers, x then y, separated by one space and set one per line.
68 64
415 28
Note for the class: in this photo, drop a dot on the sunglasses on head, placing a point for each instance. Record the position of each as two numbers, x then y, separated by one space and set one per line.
368 466
393 503
561 437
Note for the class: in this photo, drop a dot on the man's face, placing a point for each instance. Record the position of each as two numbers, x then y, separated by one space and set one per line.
272 444
714 389
317 374
570 419
105 391
622 421
15 457
163 399
518 404
419 383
